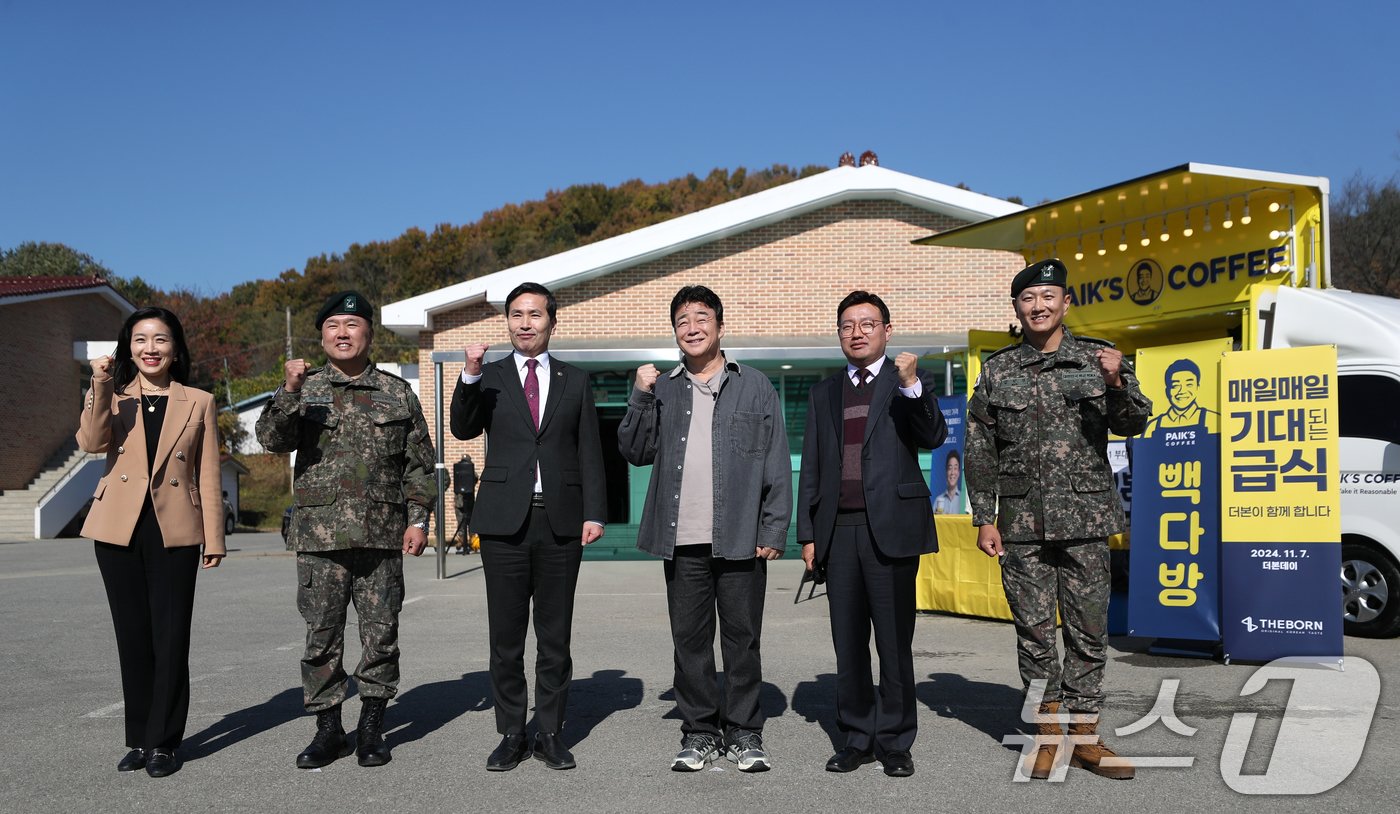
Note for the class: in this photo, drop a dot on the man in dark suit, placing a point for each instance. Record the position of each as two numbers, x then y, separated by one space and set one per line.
541 500
863 514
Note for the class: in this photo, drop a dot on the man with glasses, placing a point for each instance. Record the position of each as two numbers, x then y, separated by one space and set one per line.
717 510
863 514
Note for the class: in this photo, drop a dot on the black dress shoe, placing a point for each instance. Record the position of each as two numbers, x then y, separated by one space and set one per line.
898 764
848 759
551 750
513 749
134 761
162 763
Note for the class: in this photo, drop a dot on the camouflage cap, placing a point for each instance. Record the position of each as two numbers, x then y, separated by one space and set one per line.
1044 272
346 302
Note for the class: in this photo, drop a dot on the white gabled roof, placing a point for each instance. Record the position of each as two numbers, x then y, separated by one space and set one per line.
562 270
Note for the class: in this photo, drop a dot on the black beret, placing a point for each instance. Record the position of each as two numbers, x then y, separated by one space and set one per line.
346 302
1045 272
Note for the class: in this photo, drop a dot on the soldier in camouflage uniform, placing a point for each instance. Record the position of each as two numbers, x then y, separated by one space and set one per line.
1037 436
363 491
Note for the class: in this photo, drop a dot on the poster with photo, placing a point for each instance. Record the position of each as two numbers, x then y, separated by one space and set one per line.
945 474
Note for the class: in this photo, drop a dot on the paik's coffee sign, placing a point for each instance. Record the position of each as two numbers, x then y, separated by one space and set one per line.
1173 286
1126 290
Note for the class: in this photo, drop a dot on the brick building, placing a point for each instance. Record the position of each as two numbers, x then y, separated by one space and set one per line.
46 324
780 260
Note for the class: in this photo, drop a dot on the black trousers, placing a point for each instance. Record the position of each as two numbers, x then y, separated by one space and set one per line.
150 589
531 564
866 589
698 585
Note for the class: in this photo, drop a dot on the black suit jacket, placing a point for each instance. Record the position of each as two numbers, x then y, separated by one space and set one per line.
566 448
896 494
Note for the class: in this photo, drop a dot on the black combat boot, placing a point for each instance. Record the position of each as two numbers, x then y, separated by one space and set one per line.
330 743
369 739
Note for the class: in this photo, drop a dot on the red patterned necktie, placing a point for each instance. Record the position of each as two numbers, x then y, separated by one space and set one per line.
532 390
864 376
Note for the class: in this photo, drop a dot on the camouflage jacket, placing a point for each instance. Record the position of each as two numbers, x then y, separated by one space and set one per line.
1037 438
364 459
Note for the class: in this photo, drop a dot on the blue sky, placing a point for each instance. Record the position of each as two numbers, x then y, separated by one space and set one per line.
201 145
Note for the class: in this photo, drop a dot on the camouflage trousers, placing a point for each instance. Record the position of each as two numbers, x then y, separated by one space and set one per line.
327 581
1073 577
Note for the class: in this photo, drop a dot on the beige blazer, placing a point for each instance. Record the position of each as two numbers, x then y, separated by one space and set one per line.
185 484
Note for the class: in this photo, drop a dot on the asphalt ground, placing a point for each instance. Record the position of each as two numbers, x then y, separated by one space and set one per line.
62 725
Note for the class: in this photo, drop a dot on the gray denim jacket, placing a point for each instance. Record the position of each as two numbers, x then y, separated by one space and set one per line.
752 467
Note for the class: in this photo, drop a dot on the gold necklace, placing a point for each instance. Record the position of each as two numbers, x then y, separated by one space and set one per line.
150 402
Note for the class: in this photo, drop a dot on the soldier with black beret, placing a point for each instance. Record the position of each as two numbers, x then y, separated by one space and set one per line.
1048 272
1043 498
364 487
346 302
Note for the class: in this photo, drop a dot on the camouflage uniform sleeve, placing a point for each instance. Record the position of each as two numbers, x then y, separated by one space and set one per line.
279 426
420 466
1128 409
981 466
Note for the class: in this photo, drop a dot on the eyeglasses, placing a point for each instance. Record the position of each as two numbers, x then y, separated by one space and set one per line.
848 329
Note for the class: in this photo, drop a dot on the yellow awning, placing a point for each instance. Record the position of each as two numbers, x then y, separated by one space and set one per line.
1057 228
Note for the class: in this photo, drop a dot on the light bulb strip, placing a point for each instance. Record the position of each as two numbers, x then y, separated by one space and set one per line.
1124 222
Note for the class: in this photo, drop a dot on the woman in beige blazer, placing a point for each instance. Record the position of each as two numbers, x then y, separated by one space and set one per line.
157 504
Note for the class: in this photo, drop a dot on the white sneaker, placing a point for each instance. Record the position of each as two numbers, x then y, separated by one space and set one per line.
745 750
697 750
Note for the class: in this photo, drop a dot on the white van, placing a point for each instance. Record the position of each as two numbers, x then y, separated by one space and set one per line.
1366 330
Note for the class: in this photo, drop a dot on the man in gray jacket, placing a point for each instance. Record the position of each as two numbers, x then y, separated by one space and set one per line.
717 510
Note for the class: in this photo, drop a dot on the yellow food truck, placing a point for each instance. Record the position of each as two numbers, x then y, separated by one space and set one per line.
1205 252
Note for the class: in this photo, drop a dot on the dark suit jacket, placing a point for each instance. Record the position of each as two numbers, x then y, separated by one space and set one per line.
567 449
896 494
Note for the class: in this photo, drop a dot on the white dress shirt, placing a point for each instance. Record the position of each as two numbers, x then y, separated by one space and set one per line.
541 373
908 392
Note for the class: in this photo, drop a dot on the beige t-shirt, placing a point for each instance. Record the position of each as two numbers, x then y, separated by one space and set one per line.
695 524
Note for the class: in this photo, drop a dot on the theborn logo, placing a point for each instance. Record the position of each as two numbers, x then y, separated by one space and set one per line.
1319 741
1281 625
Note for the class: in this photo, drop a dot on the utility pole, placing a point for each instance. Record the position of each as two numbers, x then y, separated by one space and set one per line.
289 333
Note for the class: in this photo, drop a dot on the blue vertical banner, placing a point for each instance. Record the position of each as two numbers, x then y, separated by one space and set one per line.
945 478
1280 512
1174 570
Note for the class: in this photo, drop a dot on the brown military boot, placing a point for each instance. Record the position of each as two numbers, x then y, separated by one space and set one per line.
1049 726
1091 755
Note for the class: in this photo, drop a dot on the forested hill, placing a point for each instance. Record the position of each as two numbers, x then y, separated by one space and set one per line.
245 327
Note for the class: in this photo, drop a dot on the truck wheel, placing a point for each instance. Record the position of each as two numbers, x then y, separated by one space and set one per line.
1370 592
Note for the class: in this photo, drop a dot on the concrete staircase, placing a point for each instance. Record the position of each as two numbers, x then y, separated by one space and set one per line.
17 505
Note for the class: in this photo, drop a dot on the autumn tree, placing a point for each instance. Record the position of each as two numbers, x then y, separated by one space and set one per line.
34 259
1365 232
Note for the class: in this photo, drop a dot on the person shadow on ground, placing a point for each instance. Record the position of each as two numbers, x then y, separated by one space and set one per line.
426 708
593 699
815 701
282 708
994 709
